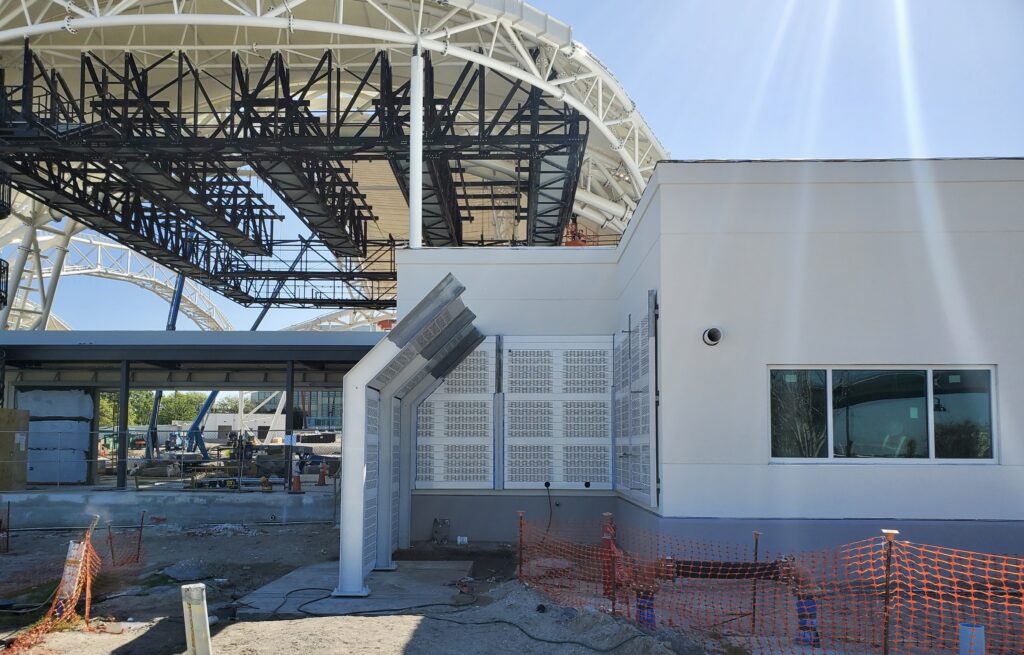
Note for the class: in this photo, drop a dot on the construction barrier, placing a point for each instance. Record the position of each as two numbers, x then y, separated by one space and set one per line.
125 545
878 596
80 569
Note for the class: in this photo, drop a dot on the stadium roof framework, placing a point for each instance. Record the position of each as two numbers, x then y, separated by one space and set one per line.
188 130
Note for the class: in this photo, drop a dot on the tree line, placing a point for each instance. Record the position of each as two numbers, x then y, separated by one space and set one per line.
174 406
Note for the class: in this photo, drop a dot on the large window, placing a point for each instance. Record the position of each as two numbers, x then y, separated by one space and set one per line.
847 413
799 423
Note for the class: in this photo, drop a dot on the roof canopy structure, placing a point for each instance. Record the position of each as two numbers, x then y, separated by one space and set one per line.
188 129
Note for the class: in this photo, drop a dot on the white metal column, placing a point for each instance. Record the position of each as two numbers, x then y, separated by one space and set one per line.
416 150
353 467
27 243
50 291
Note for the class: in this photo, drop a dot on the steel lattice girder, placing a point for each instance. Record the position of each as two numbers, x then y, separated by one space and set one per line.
270 119
320 191
171 163
210 190
96 196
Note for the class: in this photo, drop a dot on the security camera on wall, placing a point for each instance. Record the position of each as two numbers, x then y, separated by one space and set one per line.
712 336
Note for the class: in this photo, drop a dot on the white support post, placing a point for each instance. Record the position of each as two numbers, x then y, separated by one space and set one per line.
197 625
416 149
27 244
385 476
70 230
353 467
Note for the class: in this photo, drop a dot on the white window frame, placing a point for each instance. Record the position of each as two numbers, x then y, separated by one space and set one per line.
931 460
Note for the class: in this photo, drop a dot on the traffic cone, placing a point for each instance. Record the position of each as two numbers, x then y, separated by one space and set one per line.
296 484
322 480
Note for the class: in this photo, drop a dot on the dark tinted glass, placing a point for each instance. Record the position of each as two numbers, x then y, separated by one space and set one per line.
962 403
799 421
880 413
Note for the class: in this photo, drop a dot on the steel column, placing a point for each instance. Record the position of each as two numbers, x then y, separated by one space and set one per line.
15 274
50 292
122 427
152 443
416 150
289 422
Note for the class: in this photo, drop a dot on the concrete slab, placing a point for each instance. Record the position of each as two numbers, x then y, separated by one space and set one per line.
413 583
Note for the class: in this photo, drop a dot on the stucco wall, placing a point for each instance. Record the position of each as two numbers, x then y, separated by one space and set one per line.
819 264
799 263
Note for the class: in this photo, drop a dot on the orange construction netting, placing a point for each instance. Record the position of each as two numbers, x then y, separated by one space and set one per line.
877 596
80 569
125 546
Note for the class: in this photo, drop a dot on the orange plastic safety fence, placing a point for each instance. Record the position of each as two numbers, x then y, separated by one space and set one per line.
124 547
868 597
80 569
942 596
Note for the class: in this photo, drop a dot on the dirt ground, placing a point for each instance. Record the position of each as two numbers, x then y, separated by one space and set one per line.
143 603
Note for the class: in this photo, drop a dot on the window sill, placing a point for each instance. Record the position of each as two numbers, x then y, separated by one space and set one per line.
885 461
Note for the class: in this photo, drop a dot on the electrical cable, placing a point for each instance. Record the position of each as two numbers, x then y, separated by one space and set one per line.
34 608
466 606
551 509
295 591
383 610
561 642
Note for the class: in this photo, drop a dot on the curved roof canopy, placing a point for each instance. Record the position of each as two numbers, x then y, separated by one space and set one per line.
519 108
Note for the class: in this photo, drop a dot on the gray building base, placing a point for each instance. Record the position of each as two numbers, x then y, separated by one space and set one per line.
493 518
67 509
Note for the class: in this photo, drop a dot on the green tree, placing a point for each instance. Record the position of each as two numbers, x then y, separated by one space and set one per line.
180 406
108 409
228 404
140 407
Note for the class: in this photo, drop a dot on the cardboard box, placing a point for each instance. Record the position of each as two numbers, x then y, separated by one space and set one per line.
13 449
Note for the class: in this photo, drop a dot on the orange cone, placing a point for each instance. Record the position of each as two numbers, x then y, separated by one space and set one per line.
322 480
296 484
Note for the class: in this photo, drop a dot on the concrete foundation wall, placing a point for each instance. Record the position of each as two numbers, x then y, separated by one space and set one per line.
799 535
38 509
494 516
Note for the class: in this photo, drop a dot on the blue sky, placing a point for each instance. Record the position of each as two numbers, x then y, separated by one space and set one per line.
759 79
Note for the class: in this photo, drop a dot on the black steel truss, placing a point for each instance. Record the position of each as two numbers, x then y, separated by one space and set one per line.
157 161
6 195
4 275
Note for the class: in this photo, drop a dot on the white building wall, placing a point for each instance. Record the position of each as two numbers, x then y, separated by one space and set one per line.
802 264
819 264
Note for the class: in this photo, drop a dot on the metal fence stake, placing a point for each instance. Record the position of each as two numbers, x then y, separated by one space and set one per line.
890 540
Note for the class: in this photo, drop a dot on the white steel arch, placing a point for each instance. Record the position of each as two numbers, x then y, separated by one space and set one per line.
344 320
98 257
508 36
